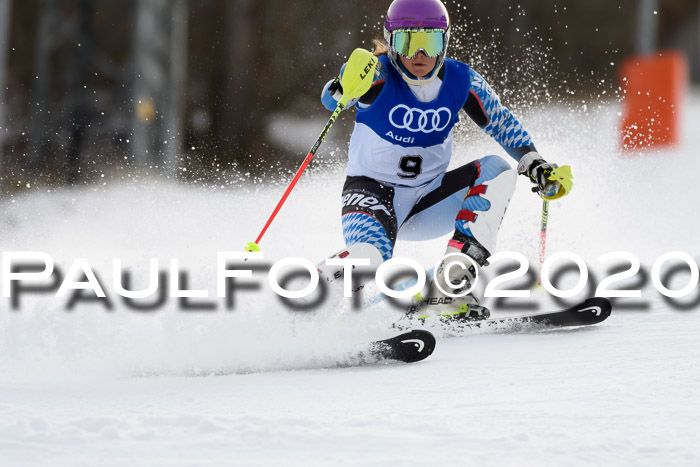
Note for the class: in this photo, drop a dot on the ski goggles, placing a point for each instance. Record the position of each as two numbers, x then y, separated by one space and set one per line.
408 42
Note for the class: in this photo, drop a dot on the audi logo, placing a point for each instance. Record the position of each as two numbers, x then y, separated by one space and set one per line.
415 120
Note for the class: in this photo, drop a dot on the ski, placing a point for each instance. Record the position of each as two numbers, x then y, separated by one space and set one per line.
589 312
408 347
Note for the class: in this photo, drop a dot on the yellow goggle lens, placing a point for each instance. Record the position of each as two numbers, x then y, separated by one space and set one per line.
408 43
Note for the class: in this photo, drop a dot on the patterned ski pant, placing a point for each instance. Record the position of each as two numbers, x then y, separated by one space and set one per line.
377 213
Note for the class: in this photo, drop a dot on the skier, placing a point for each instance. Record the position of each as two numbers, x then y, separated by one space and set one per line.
397 179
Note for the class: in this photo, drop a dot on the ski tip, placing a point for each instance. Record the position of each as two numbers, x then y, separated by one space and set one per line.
426 336
415 345
408 347
603 303
593 311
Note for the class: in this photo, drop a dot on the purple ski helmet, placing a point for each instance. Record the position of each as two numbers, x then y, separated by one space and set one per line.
428 17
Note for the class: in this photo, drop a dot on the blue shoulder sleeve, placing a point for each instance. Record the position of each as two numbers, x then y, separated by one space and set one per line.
502 125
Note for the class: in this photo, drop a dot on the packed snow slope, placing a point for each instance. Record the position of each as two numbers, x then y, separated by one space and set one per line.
255 384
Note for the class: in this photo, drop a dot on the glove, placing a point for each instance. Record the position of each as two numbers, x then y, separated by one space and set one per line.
332 93
336 89
552 181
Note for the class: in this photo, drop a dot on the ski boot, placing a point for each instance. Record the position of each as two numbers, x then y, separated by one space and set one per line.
455 281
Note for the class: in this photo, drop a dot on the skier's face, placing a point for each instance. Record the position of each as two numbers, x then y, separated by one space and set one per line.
419 66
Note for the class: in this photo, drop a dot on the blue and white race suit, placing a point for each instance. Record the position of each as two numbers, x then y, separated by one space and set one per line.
397 179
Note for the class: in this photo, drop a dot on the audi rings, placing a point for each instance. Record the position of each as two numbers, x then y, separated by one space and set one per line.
428 120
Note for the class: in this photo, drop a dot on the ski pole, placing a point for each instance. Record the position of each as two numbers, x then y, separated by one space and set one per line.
543 236
560 178
356 81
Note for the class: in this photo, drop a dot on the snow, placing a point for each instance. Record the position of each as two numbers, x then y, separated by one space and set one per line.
255 385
